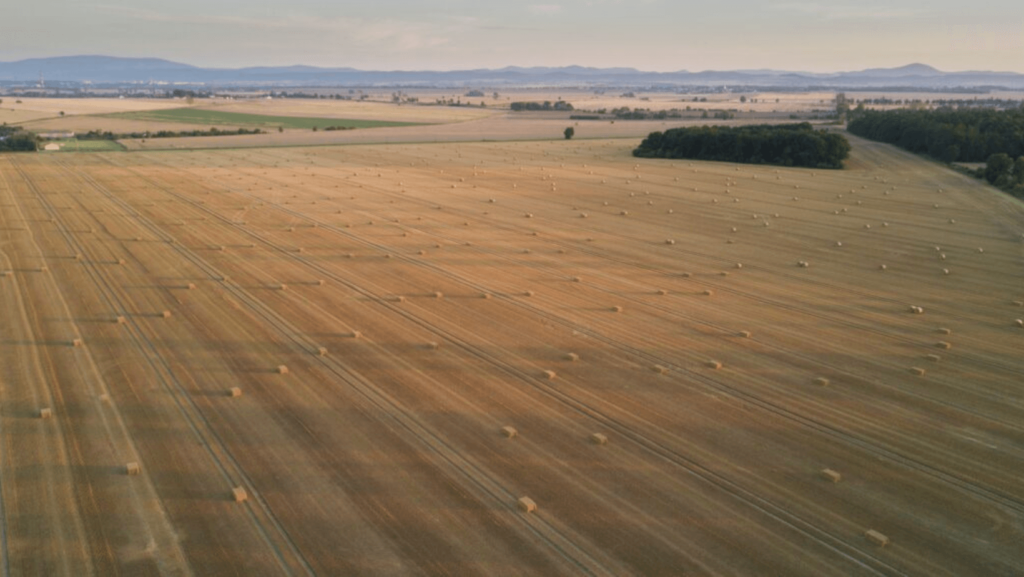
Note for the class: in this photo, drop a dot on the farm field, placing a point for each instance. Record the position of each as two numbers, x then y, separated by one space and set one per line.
664 357
190 115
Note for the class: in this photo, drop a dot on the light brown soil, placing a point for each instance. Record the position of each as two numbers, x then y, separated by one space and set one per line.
385 455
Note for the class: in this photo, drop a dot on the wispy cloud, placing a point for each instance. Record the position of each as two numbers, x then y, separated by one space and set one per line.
544 9
390 35
835 12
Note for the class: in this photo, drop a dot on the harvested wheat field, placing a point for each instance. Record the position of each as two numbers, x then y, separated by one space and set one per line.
507 358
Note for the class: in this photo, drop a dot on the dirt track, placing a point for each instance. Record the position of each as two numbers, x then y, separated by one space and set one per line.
443 280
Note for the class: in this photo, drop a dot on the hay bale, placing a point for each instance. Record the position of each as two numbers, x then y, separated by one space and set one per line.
708 292
803 264
485 295
943 345
662 292
598 439
191 286
1019 323
165 314
76 343
933 358
916 309
945 271
687 275
1018 303
399 299
509 432
549 374
743 334
659 369
529 293
132 468
882 267
917 371
831 475
239 495
839 243
876 538
821 382
670 241
739 265
713 365
573 357
438 295
356 335
526 505
45 413
945 331
616 309
433 346
282 369
119 319
321 352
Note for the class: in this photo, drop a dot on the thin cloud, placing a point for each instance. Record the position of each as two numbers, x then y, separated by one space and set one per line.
388 35
835 12
544 9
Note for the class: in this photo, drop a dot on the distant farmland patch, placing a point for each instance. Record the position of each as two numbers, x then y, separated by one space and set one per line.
74 145
216 117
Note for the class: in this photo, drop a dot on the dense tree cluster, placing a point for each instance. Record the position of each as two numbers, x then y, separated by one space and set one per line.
14 139
784 145
946 134
546 105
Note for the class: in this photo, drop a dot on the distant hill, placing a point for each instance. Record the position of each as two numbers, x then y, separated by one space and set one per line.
114 70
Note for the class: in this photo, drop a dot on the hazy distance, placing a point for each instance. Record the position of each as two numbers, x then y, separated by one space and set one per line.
657 35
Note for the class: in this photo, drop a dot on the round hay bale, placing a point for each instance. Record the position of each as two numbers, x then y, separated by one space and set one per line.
708 292
670 241
573 357
821 381
659 369
713 364
549 374
616 309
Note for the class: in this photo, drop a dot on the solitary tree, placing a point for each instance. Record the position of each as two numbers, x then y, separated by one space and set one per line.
569 132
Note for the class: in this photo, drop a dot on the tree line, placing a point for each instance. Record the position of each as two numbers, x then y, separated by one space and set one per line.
784 145
946 134
15 139
546 105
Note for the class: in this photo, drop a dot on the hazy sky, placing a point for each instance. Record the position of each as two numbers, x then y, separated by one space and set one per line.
658 35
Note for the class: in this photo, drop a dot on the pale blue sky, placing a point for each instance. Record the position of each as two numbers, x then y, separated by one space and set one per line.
812 35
